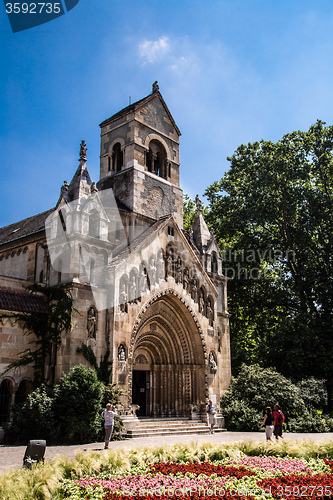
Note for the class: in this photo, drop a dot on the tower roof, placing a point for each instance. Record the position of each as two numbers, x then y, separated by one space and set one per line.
136 105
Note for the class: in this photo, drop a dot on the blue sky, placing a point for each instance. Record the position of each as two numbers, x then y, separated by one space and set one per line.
231 72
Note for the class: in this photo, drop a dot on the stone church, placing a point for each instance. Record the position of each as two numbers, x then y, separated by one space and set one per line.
150 292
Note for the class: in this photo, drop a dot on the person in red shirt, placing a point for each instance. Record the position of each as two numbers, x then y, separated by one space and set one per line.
278 421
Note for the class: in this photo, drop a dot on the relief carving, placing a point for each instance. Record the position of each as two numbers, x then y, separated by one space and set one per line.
168 265
194 289
179 274
186 280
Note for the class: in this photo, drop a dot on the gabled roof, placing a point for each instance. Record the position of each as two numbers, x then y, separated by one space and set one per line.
11 300
141 239
25 227
138 104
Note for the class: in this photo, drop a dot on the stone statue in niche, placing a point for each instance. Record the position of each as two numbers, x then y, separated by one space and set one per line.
201 303
194 290
152 272
123 297
142 281
210 313
160 268
91 323
121 353
212 363
186 279
132 291
179 274
168 266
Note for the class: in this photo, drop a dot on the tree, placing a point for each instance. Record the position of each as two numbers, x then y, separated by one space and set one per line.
188 212
77 404
34 419
272 214
47 330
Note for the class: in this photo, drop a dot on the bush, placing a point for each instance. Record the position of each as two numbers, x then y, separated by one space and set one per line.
314 393
34 419
239 416
255 388
260 387
310 422
77 404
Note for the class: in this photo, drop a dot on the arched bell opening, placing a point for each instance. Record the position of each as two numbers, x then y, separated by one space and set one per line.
169 362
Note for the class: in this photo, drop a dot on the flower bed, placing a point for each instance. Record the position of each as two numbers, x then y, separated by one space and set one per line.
248 478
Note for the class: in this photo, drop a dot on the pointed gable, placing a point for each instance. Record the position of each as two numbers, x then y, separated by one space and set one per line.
153 103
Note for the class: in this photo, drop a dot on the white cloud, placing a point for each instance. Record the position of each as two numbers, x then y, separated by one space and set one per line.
152 50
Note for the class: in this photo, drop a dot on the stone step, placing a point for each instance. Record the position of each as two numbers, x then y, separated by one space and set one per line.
168 432
171 424
168 419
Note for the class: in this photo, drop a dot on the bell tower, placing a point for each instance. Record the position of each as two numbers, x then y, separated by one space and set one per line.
140 158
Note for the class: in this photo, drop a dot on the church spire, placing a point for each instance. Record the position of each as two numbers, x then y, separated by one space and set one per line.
80 186
199 232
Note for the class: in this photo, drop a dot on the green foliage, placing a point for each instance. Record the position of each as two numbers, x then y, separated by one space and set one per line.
240 416
313 392
310 422
272 215
104 370
188 212
77 404
255 388
47 329
259 387
34 419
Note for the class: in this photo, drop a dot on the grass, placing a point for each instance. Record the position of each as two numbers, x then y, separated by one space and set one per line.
42 481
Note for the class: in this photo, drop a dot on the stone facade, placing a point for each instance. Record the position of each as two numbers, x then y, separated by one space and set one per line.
152 294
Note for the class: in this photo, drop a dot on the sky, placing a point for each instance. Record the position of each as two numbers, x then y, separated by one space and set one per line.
230 71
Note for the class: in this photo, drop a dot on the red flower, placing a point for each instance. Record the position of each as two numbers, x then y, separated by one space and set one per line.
205 468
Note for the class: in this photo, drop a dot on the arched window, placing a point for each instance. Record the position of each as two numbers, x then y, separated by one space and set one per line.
94 224
156 159
5 395
22 392
117 157
214 266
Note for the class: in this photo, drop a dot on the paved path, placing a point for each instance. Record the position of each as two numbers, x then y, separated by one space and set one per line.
12 456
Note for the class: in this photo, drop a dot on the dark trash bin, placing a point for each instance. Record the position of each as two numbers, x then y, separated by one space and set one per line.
34 453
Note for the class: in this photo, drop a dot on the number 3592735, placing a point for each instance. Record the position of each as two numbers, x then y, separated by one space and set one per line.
33 8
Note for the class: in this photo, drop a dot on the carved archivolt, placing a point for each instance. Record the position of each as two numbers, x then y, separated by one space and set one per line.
155 298
168 330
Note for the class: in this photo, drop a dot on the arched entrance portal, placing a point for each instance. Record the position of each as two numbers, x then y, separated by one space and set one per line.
168 358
